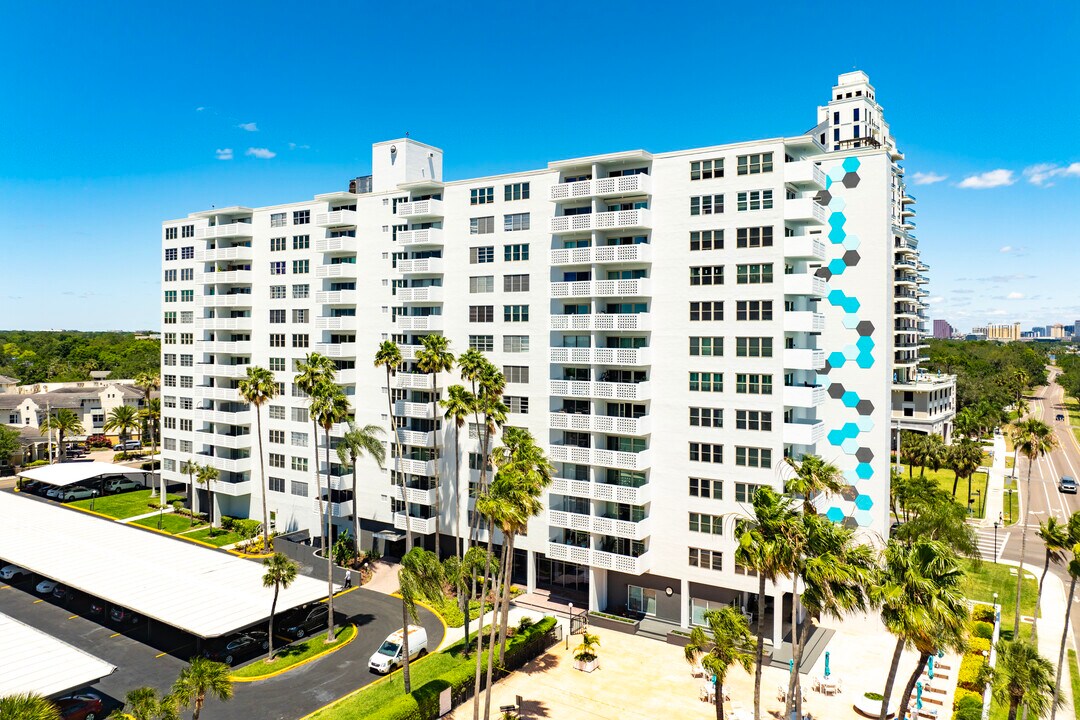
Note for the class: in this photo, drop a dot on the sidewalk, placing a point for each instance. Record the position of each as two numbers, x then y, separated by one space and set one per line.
164 511
995 484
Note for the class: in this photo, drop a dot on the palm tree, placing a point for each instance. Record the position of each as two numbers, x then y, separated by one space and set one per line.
150 415
813 477
460 574
329 406
434 358
919 593
490 405
315 370
966 423
191 468
388 356
200 678
1022 678
419 577
144 703
257 389
934 516
280 574
964 458
123 419
357 442
911 448
459 403
727 643
1055 537
1033 438
1074 573
64 422
765 546
933 452
205 475
28 706
148 382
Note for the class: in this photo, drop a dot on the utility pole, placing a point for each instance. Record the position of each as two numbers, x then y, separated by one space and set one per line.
48 418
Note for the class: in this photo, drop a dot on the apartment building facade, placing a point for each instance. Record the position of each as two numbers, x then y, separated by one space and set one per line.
671 327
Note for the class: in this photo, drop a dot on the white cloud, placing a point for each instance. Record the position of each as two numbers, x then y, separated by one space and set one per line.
224 153
250 127
1043 173
1006 248
199 109
928 178
989 179
1015 296
294 146
939 298
1072 169
262 153
997 313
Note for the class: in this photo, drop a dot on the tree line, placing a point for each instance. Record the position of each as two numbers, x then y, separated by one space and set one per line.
990 376
32 356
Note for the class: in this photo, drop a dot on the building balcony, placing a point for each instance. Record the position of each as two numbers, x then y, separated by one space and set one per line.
616 220
226 371
414 381
338 509
417 526
596 456
602 491
599 356
908 225
602 187
227 300
242 252
639 253
804 210
433 266
429 294
228 465
337 323
347 376
221 277
233 442
570 520
408 352
336 218
218 416
422 323
415 467
803 397
344 244
413 495
418 439
807 284
216 393
424 411
804 321
420 209
221 323
602 288
426 237
232 489
600 423
602 390
620 563
631 529
231 230
804 174
337 297
808 247
804 432
603 322
337 350
337 270
803 359
569 553
240 347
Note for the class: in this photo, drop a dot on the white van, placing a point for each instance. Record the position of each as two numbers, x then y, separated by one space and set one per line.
388 656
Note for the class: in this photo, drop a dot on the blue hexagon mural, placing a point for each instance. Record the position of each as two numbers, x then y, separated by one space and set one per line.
850 399
864 502
837 266
836 359
835 514
864 471
850 165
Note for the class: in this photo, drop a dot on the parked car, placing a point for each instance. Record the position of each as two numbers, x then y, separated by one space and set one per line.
389 655
1060 417
46 587
12 573
241 645
122 615
129 445
63 593
308 620
53 493
84 706
97 607
122 484
77 492
31 487
1067 484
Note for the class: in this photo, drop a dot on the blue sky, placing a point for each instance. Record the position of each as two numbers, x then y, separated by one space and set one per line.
114 115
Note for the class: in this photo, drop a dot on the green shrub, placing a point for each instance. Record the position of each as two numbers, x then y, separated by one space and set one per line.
227 522
970 669
873 696
178 507
983 630
964 700
978 645
983 613
246 528
36 463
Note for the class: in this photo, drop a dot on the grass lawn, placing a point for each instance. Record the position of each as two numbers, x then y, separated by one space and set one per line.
170 523
451 614
981 583
296 653
997 710
1011 502
214 536
1074 677
1073 408
124 505
945 479
1009 461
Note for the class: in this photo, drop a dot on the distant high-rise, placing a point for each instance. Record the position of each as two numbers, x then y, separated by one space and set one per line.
943 330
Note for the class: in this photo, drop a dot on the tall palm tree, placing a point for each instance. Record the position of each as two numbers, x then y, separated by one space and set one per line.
933 453
1022 678
315 370
144 703
200 678
1056 541
123 419
964 458
966 423
419 577
727 643
28 706
911 449
490 405
148 382
434 358
257 389
765 546
329 406
388 356
205 475
357 442
459 403
1034 439
191 468
64 422
280 574
919 593
460 574
150 415
1074 573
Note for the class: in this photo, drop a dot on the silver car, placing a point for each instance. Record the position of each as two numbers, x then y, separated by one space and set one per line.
77 492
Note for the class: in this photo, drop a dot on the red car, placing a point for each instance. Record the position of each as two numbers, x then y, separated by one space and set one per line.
84 706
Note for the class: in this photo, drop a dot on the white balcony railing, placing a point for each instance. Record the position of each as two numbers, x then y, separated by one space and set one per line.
418 526
216 393
803 321
222 277
804 210
809 247
420 266
227 371
602 187
337 297
420 209
223 323
242 252
337 323
232 489
419 439
415 467
231 348
337 270
229 418
236 229
804 284
336 218
639 253
621 563
413 495
610 322
338 509
420 238
603 390
419 322
429 294
598 456
414 410
600 356
602 288
803 397
804 173
337 350
337 244
414 381
225 300
600 423
570 553
615 220
233 442
804 432
803 359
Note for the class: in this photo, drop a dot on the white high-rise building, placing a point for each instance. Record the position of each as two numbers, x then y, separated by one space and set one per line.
671 327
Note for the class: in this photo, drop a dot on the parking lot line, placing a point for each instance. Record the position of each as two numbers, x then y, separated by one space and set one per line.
73 617
163 654
115 635
38 600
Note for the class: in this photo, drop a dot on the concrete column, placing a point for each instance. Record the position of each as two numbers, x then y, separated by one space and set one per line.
778 618
530 576
597 589
684 609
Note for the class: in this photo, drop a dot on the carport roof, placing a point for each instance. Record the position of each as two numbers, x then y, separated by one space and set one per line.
73 473
206 592
33 661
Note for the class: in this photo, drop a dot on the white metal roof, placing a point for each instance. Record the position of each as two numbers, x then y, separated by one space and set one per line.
73 473
32 661
206 592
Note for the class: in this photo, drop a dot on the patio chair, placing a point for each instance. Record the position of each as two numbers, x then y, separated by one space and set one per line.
781 693
696 670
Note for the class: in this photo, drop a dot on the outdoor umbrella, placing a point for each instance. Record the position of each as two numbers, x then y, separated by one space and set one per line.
827 664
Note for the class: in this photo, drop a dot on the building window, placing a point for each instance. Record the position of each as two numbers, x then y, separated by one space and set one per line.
301 267
706 559
515 313
185 426
711 524
277 219
298 488
299 439
755 164
277 340
707 346
275 460
277 316
277 244
707 275
640 600
706 382
170 296
170 253
186 360
299 316
706 240
706 310
481 196
276 412
276 484
518 251
753 310
482 225
277 364
706 204
754 274
170 276
753 384
277 267
483 343
479 255
707 169
301 242
753 347
299 340
481 313
301 415
757 420
515 343
187 274
754 237
186 381
300 464
301 217
187 339
170 318
706 417
187 253
482 284
300 292
753 457
277 437
515 283
170 233
754 200
277 292
516 191
516 373
705 488
517 404
170 339
187 295
516 221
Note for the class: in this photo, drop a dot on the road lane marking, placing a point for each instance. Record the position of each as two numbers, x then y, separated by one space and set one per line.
73 617
115 635
160 655
37 601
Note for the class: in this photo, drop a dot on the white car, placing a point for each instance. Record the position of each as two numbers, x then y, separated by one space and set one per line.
54 492
46 587
389 655
12 572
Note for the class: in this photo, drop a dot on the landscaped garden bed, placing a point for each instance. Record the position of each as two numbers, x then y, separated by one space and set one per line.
123 505
295 654
170 523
